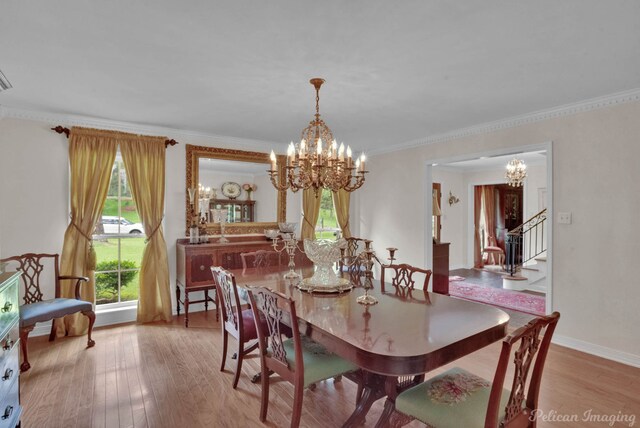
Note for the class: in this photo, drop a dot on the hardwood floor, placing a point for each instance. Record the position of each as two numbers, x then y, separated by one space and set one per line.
164 375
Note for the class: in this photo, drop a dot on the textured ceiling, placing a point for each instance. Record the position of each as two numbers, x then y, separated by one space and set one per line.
395 71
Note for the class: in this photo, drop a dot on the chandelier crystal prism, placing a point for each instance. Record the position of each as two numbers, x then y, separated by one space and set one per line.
516 172
317 161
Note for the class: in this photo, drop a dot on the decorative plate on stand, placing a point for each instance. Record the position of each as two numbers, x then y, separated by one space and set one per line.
231 190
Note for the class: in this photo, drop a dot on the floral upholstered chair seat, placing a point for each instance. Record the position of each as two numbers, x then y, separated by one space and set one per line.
453 399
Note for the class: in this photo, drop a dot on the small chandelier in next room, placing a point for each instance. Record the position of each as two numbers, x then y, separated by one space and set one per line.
516 172
318 162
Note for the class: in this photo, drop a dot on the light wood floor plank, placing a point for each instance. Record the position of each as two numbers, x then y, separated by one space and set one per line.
166 375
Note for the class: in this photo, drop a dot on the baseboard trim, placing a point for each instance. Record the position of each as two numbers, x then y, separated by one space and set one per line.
598 350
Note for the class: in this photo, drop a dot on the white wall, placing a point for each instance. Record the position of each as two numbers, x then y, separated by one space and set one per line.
595 164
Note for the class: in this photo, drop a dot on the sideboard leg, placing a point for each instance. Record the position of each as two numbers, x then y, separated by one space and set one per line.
186 308
178 299
206 300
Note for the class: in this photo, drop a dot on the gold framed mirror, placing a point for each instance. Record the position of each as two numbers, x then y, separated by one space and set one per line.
233 164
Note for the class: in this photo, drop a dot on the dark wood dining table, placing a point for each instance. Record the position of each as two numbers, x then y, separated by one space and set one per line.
396 337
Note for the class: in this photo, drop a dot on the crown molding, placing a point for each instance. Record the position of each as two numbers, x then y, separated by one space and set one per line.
135 128
617 98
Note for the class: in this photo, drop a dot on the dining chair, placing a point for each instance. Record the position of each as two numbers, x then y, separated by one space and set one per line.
298 360
350 252
260 258
458 398
235 321
402 278
495 254
37 309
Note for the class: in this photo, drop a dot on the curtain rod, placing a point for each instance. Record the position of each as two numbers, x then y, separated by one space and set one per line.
62 130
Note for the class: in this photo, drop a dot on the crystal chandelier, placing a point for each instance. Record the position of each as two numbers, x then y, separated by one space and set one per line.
317 161
516 172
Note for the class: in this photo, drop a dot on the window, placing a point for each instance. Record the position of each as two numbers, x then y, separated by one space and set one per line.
119 242
327 225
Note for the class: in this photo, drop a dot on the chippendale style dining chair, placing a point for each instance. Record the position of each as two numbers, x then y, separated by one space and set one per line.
260 258
458 398
402 278
235 321
298 360
36 309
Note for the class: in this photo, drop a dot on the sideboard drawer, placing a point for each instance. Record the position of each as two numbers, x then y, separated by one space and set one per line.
9 305
8 342
9 370
10 406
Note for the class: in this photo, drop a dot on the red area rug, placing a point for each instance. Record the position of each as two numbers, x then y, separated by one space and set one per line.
509 299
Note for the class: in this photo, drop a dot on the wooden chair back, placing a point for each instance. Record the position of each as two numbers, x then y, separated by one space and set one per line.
531 350
228 300
402 278
278 311
354 247
32 265
355 269
260 258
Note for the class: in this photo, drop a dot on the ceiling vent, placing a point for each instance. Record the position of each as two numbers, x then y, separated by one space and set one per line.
4 82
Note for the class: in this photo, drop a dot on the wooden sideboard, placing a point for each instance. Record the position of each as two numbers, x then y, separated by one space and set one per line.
441 268
194 261
10 409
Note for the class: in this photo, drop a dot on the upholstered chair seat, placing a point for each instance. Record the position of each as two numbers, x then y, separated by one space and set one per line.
453 399
50 309
318 363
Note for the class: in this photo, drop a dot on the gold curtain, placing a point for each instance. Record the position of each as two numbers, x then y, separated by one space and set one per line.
91 156
144 161
341 200
310 213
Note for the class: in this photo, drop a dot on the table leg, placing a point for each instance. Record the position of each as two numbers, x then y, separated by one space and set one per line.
206 300
186 308
391 418
373 388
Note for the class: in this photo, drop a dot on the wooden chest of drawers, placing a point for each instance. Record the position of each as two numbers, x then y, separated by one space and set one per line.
10 408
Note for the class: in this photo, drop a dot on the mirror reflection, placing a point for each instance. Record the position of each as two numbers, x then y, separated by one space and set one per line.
241 188
235 184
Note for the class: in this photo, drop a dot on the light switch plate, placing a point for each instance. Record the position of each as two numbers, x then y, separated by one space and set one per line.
564 218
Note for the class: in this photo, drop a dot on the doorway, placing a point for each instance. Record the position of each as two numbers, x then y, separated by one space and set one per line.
459 177
497 210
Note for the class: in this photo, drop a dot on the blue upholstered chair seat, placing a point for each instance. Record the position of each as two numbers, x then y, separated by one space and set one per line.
49 309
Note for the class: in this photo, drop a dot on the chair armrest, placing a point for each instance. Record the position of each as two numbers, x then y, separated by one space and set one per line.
79 280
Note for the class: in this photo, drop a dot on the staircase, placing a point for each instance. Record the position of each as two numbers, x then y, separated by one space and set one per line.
526 261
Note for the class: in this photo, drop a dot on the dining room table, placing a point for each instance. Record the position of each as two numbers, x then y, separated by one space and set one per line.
393 339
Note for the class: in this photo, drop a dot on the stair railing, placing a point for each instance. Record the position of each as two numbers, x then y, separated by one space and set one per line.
525 242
